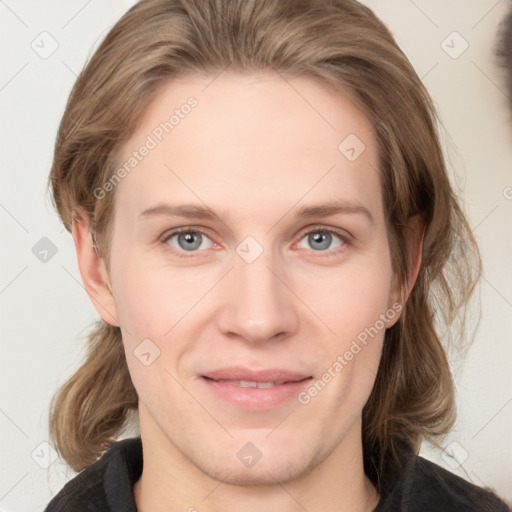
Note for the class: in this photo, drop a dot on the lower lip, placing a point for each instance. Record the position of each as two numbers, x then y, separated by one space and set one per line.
256 398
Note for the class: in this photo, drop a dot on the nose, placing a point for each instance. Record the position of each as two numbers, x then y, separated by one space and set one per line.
258 306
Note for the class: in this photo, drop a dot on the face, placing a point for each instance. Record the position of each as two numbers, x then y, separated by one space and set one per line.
251 273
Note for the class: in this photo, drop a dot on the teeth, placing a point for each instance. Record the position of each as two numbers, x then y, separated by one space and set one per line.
249 384
266 384
246 384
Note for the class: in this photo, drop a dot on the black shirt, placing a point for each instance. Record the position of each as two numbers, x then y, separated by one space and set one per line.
107 486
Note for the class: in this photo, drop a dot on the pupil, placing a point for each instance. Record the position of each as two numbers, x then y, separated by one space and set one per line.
191 239
320 237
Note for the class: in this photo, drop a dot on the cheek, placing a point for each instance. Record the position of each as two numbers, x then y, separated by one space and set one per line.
160 311
351 299
151 300
354 304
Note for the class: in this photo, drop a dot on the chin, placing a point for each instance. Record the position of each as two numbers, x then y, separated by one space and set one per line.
275 474
276 465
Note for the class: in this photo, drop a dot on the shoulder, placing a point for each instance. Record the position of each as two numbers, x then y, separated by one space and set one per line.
106 485
424 486
84 492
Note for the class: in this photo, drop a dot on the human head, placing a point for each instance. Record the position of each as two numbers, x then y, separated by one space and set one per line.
343 45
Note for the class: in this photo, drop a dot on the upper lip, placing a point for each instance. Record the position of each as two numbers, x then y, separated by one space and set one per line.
237 373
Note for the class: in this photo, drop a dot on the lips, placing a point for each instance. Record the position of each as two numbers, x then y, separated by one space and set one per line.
255 389
252 378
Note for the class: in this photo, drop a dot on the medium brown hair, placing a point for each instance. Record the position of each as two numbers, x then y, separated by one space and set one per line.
342 44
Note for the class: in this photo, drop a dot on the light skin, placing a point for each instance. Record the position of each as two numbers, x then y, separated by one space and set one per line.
254 152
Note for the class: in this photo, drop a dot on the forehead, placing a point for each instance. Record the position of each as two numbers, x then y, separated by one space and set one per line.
232 137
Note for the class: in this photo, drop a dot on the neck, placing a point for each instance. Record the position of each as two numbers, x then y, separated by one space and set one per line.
170 482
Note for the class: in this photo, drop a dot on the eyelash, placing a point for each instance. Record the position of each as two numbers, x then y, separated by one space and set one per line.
343 236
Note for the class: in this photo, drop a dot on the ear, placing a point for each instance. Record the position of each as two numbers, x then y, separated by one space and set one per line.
399 295
93 271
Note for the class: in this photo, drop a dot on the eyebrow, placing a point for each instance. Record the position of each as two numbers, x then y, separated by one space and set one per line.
201 212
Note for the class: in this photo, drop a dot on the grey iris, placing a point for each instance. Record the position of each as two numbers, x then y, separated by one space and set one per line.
324 238
190 244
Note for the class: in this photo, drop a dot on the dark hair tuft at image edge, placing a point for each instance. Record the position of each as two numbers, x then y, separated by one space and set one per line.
504 53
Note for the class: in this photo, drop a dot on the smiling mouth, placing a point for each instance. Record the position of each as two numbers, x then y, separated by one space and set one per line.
258 389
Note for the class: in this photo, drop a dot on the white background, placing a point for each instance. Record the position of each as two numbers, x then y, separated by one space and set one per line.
45 312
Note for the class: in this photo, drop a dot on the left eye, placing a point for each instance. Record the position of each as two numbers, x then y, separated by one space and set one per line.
321 239
187 240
